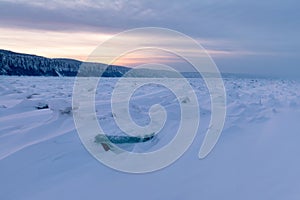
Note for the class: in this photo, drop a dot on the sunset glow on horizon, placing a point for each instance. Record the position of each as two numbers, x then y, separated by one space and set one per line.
79 46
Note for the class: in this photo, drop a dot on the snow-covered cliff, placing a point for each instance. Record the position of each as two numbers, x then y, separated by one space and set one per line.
12 63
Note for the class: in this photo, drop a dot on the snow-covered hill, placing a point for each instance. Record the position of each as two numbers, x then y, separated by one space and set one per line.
257 156
12 63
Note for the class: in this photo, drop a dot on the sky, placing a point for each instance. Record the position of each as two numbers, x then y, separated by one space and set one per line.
257 37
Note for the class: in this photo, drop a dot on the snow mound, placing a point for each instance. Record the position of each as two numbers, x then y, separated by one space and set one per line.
61 106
